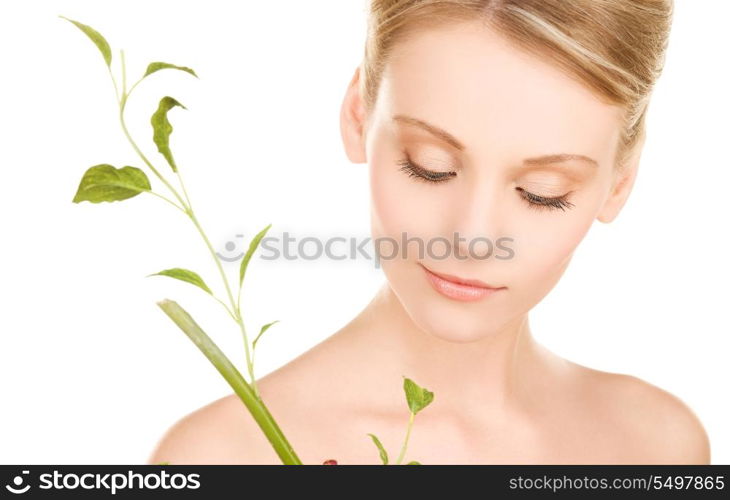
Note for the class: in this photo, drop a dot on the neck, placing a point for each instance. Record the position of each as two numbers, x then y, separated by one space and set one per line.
486 377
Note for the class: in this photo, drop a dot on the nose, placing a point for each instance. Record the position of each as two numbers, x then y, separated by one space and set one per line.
479 220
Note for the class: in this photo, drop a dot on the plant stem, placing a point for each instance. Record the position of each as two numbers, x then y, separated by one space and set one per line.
235 305
405 442
185 191
168 200
249 357
238 302
255 405
122 103
188 209
193 218
144 158
226 308
191 214
116 90
132 87
236 308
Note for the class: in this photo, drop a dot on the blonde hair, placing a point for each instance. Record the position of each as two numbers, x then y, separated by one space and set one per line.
616 47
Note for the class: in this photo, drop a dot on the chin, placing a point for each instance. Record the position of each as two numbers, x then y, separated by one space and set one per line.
442 317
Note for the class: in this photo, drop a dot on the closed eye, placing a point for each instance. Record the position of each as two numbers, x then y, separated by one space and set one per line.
419 172
533 200
543 202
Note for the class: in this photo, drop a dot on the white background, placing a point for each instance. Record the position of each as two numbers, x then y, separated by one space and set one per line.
92 371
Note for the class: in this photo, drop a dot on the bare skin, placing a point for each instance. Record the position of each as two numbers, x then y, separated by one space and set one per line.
330 397
500 397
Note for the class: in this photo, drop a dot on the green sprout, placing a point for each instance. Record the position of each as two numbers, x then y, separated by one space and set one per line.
417 398
106 183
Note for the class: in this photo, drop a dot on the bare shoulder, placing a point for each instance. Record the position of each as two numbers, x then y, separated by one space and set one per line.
661 426
221 432
225 432
673 428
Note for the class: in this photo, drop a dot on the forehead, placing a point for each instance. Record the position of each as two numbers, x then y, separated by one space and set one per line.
493 96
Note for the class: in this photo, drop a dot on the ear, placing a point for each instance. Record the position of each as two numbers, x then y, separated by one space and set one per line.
622 185
352 121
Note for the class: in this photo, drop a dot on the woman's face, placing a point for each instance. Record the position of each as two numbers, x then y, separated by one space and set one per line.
492 126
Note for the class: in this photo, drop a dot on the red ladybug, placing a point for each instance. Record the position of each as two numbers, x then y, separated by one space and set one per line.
331 461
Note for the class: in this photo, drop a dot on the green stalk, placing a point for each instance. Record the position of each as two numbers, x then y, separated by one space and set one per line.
235 305
405 442
249 357
168 200
122 104
249 354
247 393
186 207
235 311
255 405
191 214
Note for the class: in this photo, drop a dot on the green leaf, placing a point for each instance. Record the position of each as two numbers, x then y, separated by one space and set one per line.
163 129
249 253
263 329
105 183
164 463
418 398
156 66
96 37
184 275
383 453
413 462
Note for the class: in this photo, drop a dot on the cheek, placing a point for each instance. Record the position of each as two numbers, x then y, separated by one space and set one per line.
399 203
543 251
387 211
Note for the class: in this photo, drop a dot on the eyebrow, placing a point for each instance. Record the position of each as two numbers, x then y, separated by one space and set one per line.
453 141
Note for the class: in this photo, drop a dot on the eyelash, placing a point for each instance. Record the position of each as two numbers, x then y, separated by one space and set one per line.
534 201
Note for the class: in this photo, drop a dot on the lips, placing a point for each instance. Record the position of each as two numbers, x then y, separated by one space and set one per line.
456 288
462 281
